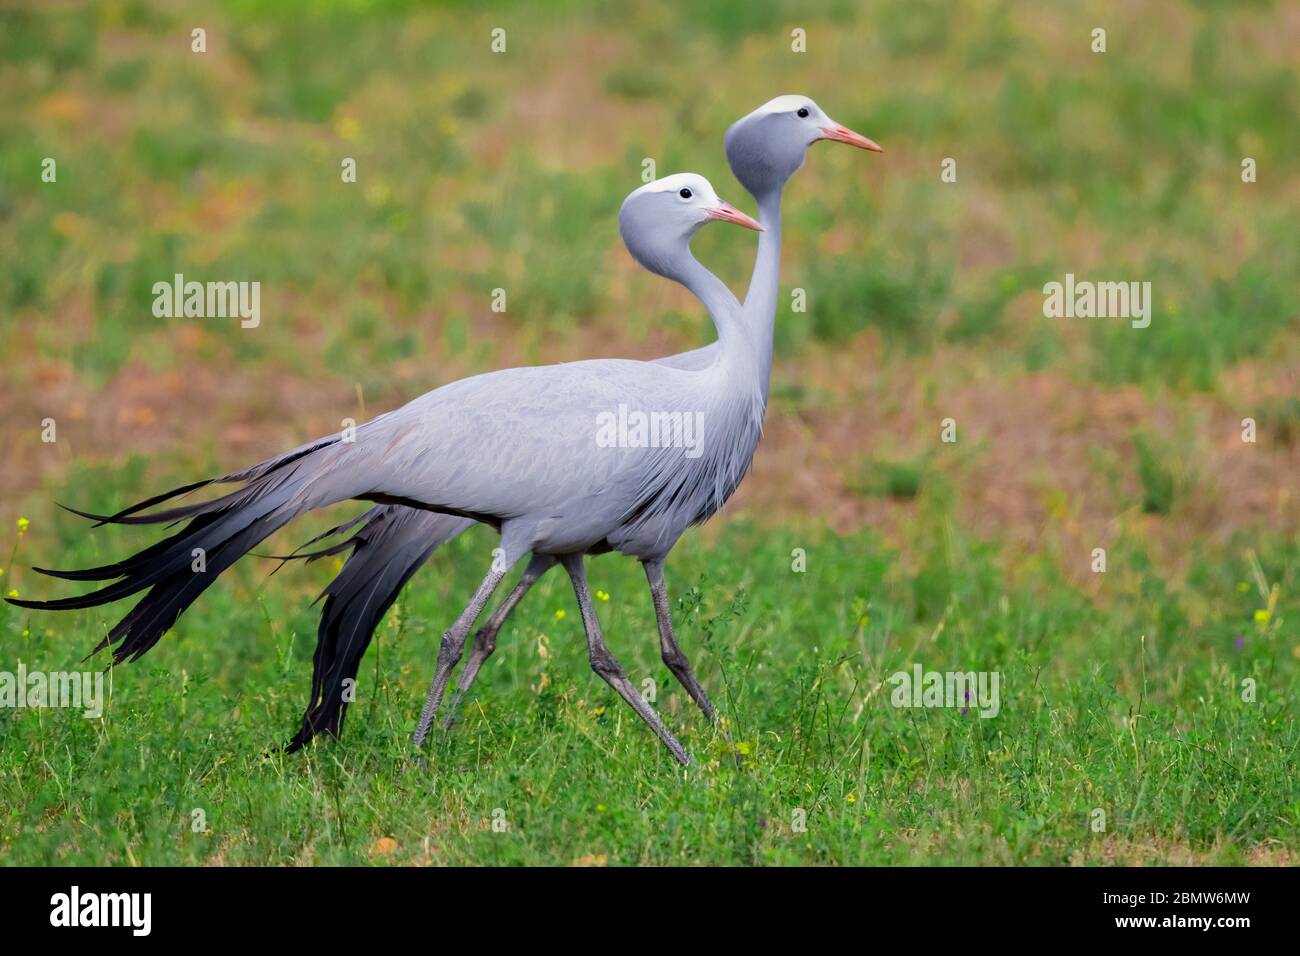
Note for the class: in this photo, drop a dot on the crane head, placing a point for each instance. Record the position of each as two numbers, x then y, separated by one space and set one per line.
768 146
658 220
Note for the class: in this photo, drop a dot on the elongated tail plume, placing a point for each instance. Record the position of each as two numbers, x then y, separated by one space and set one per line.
390 546
219 531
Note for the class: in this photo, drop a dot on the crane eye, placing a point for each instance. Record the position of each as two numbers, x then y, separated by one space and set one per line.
803 112
685 193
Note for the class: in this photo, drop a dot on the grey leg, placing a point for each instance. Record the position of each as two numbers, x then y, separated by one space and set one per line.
453 642
609 669
669 649
485 639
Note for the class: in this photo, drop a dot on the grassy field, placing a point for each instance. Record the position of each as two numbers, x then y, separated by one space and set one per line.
1161 693
1128 701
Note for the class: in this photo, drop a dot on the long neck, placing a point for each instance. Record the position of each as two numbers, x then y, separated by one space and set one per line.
759 310
733 333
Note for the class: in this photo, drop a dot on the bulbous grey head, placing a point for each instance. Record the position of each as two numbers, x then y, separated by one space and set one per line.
769 145
658 220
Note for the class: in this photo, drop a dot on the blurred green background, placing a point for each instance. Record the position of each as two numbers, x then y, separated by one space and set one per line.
479 171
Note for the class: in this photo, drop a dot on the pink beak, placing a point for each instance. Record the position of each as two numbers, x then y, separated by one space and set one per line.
842 134
726 212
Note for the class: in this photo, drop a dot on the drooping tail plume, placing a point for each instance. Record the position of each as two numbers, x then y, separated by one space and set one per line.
391 545
179 568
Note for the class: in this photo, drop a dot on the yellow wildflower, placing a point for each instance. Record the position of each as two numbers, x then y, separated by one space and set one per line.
347 128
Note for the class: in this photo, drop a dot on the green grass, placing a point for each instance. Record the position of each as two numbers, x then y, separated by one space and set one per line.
1156 476
1125 697
899 479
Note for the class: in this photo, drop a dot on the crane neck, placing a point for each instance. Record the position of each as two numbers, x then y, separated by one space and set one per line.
759 310
725 311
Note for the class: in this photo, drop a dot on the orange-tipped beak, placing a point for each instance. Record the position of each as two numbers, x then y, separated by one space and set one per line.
842 134
726 212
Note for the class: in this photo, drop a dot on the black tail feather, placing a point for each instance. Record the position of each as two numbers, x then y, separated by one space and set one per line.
120 568
221 530
298 554
141 506
170 556
390 547
392 543
158 610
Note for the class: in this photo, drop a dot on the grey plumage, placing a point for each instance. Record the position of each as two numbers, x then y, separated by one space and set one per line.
763 149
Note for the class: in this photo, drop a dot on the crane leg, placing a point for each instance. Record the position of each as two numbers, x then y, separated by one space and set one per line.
485 638
669 649
609 669
449 651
